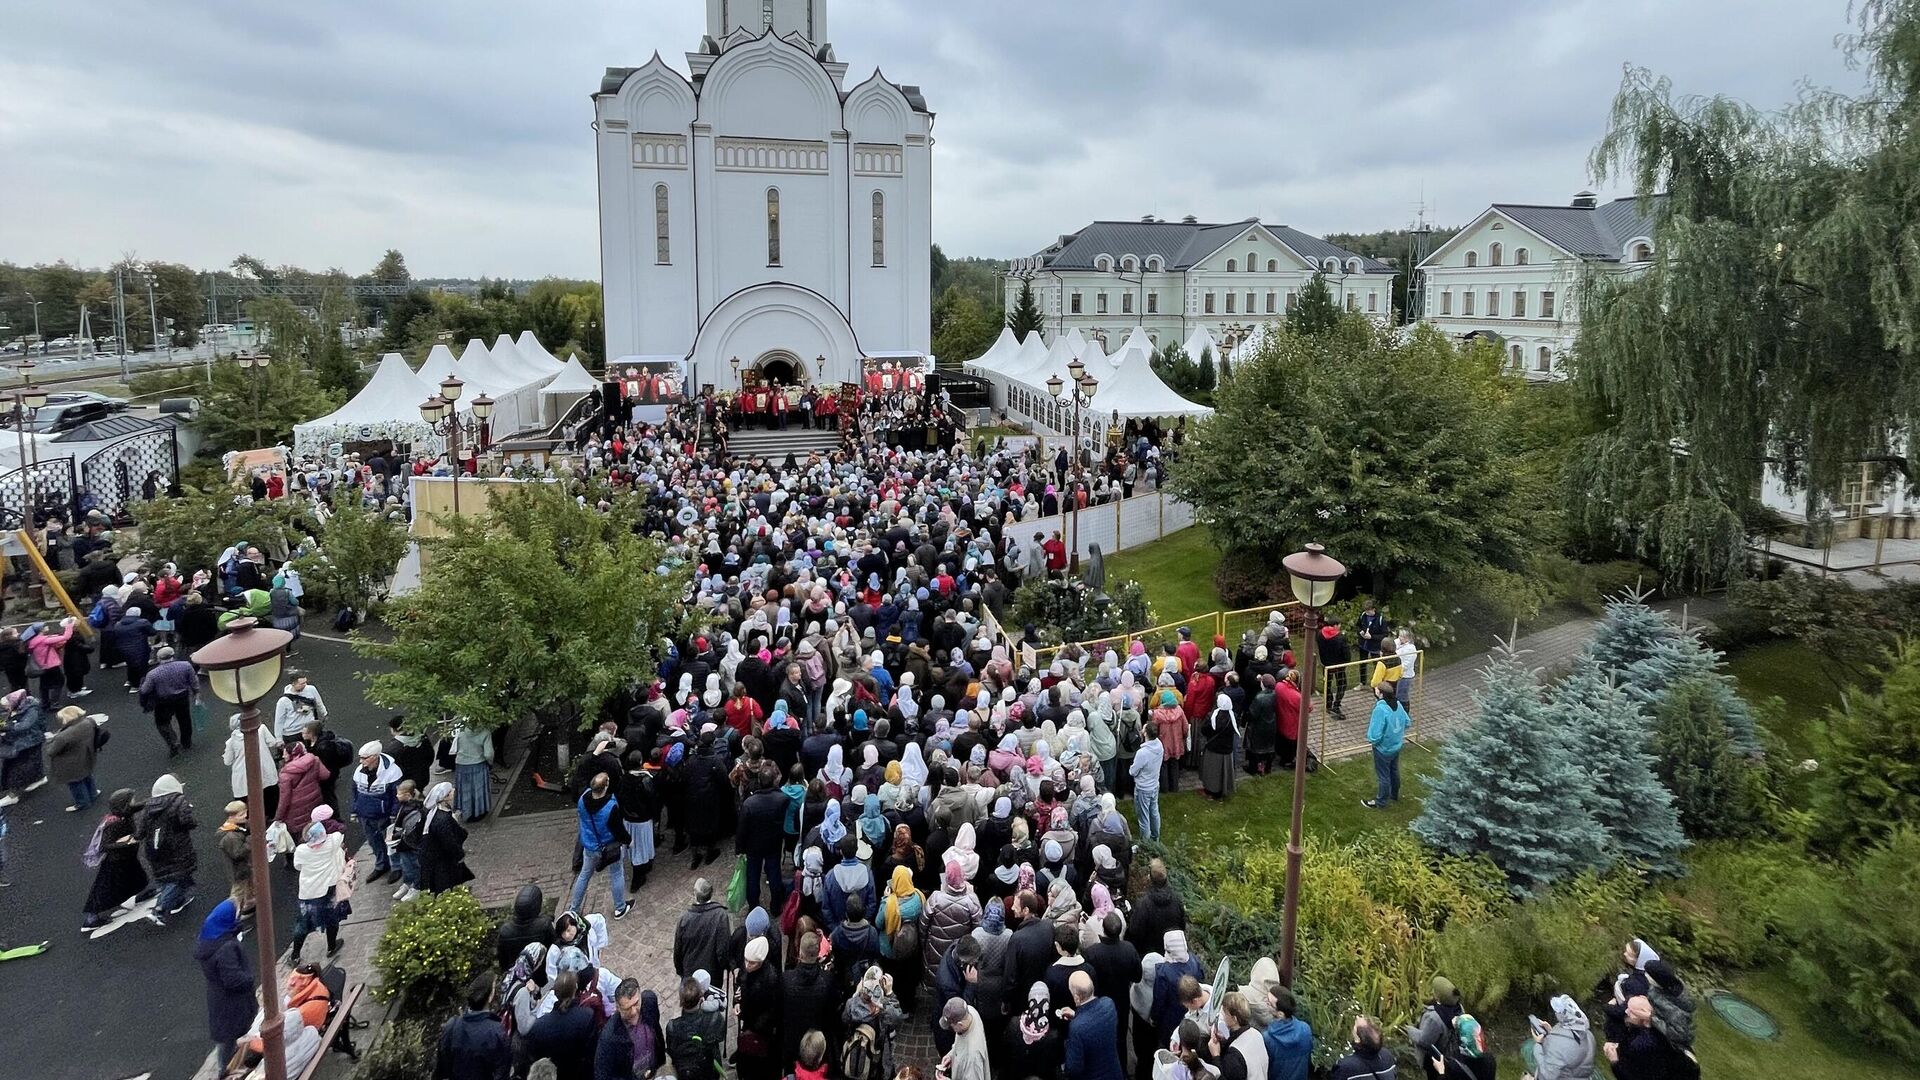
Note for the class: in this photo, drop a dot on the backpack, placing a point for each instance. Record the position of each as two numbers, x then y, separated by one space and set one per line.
906 940
335 752
860 1054
1129 735
92 856
345 620
506 1006
412 821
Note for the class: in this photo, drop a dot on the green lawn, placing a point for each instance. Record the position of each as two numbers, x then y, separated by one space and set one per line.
1808 1049
1791 672
1176 574
1264 804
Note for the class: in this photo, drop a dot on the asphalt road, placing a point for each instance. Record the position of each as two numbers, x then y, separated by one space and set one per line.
133 1001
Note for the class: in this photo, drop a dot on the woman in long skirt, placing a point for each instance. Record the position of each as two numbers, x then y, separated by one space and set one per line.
1218 733
120 877
473 772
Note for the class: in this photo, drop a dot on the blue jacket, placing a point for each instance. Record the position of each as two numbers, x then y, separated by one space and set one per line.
1387 730
1092 1042
596 823
374 797
1289 1049
833 905
130 636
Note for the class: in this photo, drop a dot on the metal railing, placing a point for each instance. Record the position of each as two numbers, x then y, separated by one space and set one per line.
1343 732
1205 627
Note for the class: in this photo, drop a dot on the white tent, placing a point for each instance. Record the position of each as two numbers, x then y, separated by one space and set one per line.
439 364
1004 348
1198 345
1134 389
388 407
572 384
536 354
1031 352
515 392
1248 345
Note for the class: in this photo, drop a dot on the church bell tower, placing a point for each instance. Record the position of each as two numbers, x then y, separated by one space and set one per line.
807 18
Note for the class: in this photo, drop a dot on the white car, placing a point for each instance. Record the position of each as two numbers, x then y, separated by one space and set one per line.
61 343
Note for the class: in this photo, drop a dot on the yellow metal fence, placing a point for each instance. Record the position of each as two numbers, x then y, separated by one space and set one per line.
1223 624
1342 732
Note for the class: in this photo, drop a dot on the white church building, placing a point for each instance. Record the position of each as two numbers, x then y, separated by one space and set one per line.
757 215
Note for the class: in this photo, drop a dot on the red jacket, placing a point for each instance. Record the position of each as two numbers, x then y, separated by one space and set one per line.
1200 696
1056 554
1286 703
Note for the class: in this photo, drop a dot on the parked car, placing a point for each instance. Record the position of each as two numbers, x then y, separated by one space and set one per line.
62 343
13 347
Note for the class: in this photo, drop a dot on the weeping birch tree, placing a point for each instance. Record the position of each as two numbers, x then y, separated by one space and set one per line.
1776 326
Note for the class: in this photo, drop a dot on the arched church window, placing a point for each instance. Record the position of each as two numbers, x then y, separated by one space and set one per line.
662 252
1232 266
1493 254
773 226
1252 262
879 229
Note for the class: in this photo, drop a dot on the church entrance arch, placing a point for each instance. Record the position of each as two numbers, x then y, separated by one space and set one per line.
774 324
781 368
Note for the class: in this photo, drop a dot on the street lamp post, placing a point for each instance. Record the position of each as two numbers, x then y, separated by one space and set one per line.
1084 386
26 404
1312 573
256 363
444 408
243 667
37 340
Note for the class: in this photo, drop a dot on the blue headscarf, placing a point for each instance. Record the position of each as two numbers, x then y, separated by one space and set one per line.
221 921
859 719
830 829
873 823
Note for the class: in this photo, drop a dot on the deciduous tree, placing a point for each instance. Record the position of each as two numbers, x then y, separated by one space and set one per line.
359 548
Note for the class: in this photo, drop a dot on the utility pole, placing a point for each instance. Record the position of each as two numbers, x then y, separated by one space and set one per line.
153 315
120 317
36 321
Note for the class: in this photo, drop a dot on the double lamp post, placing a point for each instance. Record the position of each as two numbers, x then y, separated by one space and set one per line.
444 410
1084 386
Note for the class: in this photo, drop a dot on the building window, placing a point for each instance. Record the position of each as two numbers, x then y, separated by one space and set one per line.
1126 303
766 21
1103 264
773 226
1493 254
1100 303
1127 264
1271 299
1249 308
1153 303
1293 300
1473 258
1546 304
1076 303
1353 301
1642 253
1273 266
1466 302
1446 302
1519 256
1252 264
1230 297
662 251
1493 304
879 229
1514 353
1232 266
1373 301
1519 304
1544 361
1209 303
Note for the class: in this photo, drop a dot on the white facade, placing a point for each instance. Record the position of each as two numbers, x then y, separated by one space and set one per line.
754 210
1516 272
1171 279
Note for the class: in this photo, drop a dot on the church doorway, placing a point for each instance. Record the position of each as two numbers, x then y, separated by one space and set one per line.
782 368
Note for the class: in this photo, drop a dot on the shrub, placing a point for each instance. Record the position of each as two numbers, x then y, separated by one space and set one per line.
1870 780
1559 943
1583 584
1064 610
1733 906
1860 958
432 947
1246 578
1717 789
404 1050
1370 910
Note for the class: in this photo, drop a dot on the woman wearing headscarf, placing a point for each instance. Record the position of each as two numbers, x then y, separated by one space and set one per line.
873 828
1218 735
838 777
874 1003
23 737
321 862
872 773
1100 901
443 844
903 854
759 990
1063 906
962 852
119 876
1033 1042
229 975
952 911
900 932
827 834
913 766
1171 722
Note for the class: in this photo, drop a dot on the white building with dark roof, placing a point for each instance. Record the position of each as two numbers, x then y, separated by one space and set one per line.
758 215
1516 270
1172 278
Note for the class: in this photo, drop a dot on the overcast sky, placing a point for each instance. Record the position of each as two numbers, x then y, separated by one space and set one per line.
322 134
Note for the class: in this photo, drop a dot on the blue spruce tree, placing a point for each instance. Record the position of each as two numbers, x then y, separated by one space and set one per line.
1609 733
1648 654
1629 632
1511 788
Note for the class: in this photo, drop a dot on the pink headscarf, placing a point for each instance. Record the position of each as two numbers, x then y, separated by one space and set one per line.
1102 900
955 878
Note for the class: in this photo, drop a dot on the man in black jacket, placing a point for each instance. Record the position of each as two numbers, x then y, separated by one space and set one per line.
701 940
564 1036
413 753
763 827
1116 967
1031 951
808 1002
1158 911
529 923
709 799
472 1045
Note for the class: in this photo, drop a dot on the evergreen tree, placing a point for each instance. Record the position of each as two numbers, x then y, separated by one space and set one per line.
1203 371
1869 780
1025 317
1510 787
1628 633
1716 788
1316 313
1648 654
1608 733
